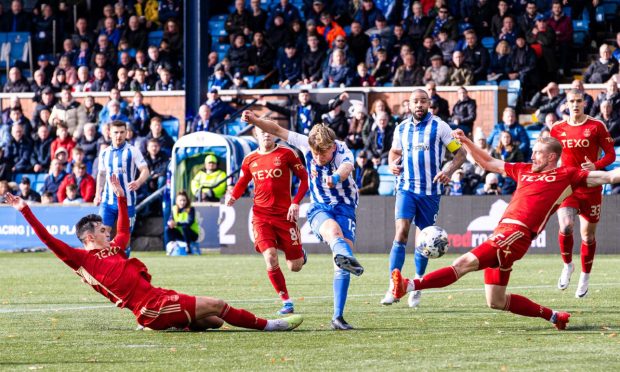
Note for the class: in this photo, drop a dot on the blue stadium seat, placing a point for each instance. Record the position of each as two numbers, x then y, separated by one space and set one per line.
18 177
171 126
387 181
514 90
234 127
606 12
488 42
19 47
155 37
486 82
464 26
254 80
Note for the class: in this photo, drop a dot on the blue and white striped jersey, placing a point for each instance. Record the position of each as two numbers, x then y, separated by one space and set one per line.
124 162
423 145
344 192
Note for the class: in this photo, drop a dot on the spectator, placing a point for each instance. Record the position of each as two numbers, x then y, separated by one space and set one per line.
507 150
522 66
508 31
459 75
426 51
262 56
366 176
497 22
278 32
140 82
47 198
611 94
157 162
169 9
113 112
312 61
417 23
83 56
491 185
93 109
527 20
209 184
381 70
363 78
157 132
54 178
38 85
41 158
77 156
17 20
542 38
337 121
499 62
380 28
547 100
14 102
238 22
563 27
166 82
201 122
446 45
371 53
510 124
135 34
26 192
103 141
436 72
286 10
476 56
378 106
357 122
82 33
89 143
64 64
289 66
84 82
358 42
611 118
562 111
156 61
239 82
367 14
101 83
43 63
404 112
19 150
219 79
329 29
17 117
16 82
443 21
409 74
220 110
338 73
85 184
258 17
599 70
443 109
72 195
238 54
4 185
182 225
63 140
103 53
463 112
397 39
59 79
380 139
148 13
43 31
139 115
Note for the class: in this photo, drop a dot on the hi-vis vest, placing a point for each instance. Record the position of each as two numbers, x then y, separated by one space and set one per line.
183 217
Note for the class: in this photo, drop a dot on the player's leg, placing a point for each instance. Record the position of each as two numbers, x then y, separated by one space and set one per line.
588 249
498 299
566 220
208 309
276 277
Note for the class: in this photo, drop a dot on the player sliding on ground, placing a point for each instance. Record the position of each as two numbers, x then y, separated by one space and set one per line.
103 265
541 188
334 199
274 216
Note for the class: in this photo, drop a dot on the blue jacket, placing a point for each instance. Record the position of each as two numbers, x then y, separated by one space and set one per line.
289 68
518 133
19 153
219 110
52 184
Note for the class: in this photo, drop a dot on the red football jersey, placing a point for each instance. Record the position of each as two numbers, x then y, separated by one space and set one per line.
272 173
583 140
539 195
125 282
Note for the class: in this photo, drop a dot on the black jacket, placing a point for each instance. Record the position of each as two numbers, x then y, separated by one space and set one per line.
41 152
477 59
367 179
464 112
264 57
372 146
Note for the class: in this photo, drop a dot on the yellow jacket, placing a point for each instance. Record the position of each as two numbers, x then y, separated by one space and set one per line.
150 11
207 180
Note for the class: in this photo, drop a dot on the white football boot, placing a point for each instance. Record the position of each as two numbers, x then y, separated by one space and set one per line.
389 298
564 279
415 296
582 287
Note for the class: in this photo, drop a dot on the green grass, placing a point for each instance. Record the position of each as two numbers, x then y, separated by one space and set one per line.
452 329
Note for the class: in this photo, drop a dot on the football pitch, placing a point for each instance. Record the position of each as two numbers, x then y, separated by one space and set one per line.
51 321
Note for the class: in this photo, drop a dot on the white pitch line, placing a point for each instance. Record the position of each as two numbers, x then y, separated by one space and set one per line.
267 300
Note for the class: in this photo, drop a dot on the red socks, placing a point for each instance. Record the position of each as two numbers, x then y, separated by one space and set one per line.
524 306
566 247
278 282
587 256
242 318
437 279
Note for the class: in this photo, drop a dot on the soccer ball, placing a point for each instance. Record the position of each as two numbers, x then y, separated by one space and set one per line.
433 242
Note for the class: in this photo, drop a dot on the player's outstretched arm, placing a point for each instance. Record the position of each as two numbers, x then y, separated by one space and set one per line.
481 157
61 249
599 178
122 224
445 176
266 125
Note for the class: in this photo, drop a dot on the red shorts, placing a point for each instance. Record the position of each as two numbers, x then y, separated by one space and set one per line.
277 233
166 308
508 244
588 204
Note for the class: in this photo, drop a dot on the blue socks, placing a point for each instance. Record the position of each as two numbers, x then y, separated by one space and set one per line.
397 256
420 263
341 288
340 246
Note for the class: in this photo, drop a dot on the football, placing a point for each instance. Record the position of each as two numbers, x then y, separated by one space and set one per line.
433 242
